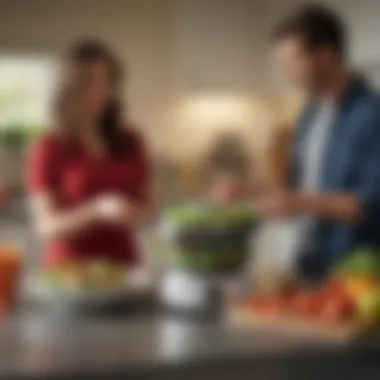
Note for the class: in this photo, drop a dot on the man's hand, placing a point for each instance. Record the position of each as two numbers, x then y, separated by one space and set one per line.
279 203
283 203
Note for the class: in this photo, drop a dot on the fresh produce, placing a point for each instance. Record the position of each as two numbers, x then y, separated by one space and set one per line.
265 306
209 238
359 273
90 275
198 216
368 307
350 294
358 287
308 303
102 273
336 309
361 262
328 304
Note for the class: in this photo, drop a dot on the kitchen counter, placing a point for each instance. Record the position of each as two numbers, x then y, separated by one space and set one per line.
159 347
155 346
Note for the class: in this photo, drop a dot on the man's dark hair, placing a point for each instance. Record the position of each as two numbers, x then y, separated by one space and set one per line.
316 25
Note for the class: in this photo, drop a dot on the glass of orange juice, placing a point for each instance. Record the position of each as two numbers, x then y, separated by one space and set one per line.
10 263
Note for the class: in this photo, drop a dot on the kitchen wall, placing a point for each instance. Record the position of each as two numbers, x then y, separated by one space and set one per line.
138 29
174 49
362 18
196 67
220 76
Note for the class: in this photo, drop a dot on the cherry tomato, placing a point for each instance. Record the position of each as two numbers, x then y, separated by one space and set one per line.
301 302
331 312
255 303
268 306
336 309
307 304
334 287
285 304
273 308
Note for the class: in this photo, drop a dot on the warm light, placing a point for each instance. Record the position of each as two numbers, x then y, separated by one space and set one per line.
26 85
217 110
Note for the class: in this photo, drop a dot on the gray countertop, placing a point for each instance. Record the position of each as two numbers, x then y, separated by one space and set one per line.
157 346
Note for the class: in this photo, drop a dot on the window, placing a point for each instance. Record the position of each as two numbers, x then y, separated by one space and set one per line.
25 89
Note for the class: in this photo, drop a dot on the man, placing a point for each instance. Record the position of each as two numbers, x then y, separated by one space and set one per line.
334 184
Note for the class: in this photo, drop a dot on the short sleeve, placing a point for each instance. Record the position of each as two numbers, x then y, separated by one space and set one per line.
42 166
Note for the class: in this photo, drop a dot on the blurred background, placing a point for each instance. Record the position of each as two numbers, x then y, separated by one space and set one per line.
202 86
204 89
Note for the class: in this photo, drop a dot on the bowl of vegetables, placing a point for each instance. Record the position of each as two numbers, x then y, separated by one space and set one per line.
87 285
208 238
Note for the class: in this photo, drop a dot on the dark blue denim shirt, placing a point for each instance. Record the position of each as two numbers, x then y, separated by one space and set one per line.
351 164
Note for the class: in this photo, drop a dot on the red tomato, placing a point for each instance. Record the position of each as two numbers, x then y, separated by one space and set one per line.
301 302
334 287
307 304
289 291
331 311
336 309
274 308
286 297
285 304
265 306
255 303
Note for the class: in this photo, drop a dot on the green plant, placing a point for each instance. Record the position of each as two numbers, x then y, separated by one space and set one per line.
17 136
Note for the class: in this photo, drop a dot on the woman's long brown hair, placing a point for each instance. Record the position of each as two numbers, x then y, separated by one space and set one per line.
110 123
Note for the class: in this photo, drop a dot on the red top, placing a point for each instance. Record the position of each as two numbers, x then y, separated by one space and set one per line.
74 177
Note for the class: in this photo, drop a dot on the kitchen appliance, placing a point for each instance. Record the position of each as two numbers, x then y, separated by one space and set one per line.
207 247
191 293
207 238
197 295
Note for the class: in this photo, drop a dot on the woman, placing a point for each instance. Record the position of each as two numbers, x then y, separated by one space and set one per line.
88 177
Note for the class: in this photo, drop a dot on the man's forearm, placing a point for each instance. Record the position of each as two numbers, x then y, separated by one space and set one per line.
343 207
